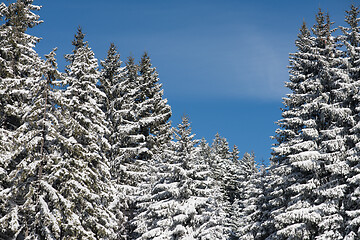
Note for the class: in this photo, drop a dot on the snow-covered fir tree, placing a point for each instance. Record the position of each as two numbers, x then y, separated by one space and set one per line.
155 113
128 144
19 63
184 199
19 73
351 67
129 167
139 126
23 210
224 167
78 42
307 187
87 181
111 75
245 213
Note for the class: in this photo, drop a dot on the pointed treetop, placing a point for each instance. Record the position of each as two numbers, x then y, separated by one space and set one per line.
220 146
51 67
112 56
146 70
131 68
235 154
352 17
184 129
130 60
184 136
304 31
112 62
145 60
19 15
303 41
322 28
111 71
78 42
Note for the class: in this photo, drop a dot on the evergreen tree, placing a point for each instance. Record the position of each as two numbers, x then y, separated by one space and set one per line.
131 155
35 145
155 113
111 75
205 151
78 42
89 183
307 180
351 40
127 152
247 210
224 168
19 73
183 201
19 63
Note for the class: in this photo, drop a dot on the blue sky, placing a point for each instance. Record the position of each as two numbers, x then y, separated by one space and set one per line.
223 63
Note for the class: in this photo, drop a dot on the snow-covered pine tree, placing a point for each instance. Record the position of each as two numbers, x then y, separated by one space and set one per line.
87 181
128 144
244 211
218 160
78 42
227 172
139 117
247 212
234 155
19 62
19 72
30 206
248 164
307 187
224 168
111 75
132 158
128 154
155 113
183 200
220 147
351 66
204 150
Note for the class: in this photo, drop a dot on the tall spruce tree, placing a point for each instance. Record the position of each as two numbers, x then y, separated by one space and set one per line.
307 183
111 75
131 154
155 114
225 168
128 152
19 196
19 73
351 40
88 186
20 64
32 205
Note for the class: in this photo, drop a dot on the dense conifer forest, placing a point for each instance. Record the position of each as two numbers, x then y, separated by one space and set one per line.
90 152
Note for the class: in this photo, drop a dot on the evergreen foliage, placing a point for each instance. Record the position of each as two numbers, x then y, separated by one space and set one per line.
89 153
18 58
88 182
154 112
307 183
184 200
350 68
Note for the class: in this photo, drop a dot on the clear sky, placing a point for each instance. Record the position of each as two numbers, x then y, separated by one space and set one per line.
223 63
